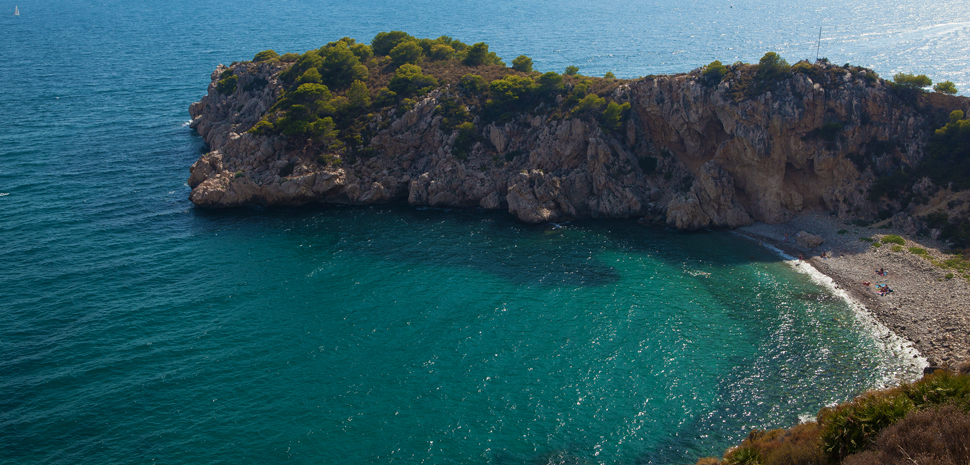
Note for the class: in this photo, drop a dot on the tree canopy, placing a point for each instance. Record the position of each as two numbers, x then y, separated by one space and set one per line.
911 81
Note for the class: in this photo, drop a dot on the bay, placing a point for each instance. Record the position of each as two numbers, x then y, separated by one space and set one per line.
135 327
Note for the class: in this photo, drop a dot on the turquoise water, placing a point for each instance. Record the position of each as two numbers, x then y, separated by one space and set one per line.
137 328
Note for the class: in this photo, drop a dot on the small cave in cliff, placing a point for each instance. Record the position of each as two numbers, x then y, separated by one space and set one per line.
806 183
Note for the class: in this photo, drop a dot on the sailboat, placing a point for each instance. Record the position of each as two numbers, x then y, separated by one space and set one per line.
16 11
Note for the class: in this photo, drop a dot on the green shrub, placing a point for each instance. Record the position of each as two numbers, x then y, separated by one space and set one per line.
406 105
893 239
409 80
910 81
578 93
363 52
842 231
465 139
441 52
743 456
945 87
851 427
866 239
522 63
311 75
949 276
897 248
551 84
239 174
942 387
359 95
609 75
948 153
341 67
798 445
452 114
890 186
877 244
772 67
957 263
261 127
385 97
310 59
614 115
478 55
803 67
227 85
265 55
590 104
407 51
289 57
473 84
309 94
384 42
572 70
512 93
918 251
714 72
324 129
296 122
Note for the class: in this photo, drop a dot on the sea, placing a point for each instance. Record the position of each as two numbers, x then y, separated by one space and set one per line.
137 328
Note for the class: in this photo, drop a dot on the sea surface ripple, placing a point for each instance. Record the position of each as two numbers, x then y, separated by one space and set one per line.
137 328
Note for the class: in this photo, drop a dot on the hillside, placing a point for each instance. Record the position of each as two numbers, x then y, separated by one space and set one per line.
441 123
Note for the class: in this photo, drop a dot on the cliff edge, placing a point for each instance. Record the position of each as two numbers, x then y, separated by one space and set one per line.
685 150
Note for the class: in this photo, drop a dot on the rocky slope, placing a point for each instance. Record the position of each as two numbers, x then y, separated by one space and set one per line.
690 155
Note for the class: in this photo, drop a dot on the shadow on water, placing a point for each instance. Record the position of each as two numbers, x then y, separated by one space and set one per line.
493 242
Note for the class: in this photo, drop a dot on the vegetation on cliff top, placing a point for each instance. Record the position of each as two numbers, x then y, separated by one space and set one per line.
927 421
337 97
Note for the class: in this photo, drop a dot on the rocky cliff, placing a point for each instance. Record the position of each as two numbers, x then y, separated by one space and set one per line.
690 154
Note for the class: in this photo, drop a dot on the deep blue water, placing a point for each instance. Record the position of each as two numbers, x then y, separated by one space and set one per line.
137 328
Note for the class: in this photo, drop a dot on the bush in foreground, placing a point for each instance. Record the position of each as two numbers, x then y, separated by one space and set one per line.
939 436
926 421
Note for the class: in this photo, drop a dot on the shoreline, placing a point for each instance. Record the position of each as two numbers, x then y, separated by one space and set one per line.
925 308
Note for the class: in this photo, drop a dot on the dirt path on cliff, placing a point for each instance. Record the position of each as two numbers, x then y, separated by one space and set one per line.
925 306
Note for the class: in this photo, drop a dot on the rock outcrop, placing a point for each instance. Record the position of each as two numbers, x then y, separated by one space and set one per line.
689 155
808 240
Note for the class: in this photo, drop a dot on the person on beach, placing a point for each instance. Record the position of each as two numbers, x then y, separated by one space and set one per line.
883 289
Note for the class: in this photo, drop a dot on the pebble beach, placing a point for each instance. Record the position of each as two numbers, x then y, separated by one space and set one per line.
929 305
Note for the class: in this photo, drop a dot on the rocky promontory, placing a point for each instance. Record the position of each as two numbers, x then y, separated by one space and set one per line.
691 151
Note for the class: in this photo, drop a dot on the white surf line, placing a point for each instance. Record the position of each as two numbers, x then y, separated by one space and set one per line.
885 339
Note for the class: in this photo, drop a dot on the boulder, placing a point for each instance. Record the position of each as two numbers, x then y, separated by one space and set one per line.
807 240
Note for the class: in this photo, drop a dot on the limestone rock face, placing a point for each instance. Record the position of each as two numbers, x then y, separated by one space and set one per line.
690 154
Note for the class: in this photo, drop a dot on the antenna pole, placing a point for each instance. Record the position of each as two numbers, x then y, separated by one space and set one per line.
819 44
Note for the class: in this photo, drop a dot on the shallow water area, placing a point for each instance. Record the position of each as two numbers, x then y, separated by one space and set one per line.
135 327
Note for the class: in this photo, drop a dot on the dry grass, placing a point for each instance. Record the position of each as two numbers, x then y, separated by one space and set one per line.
925 422
939 436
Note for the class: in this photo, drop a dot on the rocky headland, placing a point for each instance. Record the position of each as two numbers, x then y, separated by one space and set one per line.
691 154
